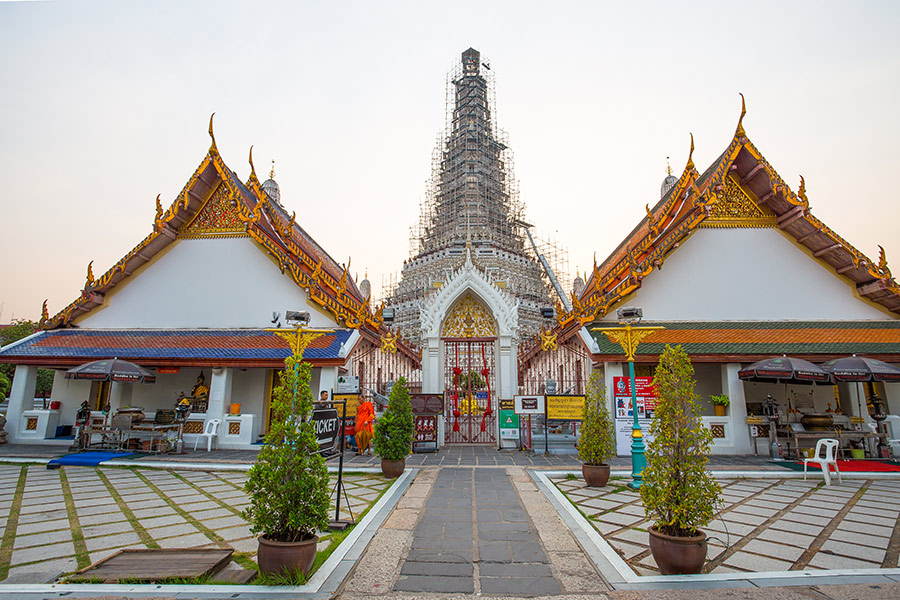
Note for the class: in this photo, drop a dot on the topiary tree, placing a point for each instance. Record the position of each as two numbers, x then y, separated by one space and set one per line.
597 443
677 492
394 430
288 484
5 386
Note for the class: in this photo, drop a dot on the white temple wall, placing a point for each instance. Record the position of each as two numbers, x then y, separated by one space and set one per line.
746 274
218 283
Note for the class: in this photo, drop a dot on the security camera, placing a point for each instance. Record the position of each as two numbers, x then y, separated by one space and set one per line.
630 314
297 318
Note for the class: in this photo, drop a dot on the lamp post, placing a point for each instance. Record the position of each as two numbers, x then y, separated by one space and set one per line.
629 337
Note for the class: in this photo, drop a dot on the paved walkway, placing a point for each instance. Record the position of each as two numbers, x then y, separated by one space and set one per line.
474 536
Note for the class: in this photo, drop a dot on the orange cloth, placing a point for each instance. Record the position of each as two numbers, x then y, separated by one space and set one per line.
365 416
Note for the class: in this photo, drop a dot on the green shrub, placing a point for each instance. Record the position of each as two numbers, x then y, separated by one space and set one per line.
394 429
678 493
720 400
288 484
597 443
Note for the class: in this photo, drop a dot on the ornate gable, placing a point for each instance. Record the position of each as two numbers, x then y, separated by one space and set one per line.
469 319
735 208
219 216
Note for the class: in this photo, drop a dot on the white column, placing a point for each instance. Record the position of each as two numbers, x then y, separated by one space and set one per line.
327 381
431 367
220 393
507 378
737 408
119 395
21 398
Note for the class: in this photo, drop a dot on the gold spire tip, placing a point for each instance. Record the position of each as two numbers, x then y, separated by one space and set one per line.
272 171
211 135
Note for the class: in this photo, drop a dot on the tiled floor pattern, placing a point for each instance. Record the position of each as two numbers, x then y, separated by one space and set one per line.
69 518
764 525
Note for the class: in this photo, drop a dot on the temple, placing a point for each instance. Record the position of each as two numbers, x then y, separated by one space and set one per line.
199 298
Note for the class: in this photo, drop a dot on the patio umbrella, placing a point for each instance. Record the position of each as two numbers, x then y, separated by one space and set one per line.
112 369
784 369
860 368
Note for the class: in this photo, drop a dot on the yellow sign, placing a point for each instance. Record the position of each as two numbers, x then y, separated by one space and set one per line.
352 403
567 408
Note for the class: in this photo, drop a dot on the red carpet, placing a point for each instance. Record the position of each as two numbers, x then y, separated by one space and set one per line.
853 466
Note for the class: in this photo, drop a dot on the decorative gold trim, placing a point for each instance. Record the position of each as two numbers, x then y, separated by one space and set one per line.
468 319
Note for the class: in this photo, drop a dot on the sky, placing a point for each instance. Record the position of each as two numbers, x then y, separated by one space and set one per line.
106 104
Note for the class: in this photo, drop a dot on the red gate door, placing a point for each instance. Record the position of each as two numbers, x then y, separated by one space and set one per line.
471 411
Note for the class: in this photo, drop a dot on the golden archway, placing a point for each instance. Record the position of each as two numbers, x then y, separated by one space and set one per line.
469 319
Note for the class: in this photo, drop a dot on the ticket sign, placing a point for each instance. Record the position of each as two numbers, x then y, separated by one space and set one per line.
567 408
352 403
529 405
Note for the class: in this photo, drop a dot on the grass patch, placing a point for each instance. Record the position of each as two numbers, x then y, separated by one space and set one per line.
12 522
81 552
139 529
71 579
571 477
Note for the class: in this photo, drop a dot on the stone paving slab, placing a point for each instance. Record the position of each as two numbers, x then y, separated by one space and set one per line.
810 527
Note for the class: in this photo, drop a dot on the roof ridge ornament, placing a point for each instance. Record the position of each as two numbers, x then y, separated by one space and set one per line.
272 170
253 177
213 149
45 316
159 210
739 132
690 161
89 280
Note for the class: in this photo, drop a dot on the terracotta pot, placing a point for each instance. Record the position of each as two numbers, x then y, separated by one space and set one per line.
678 555
595 475
281 557
393 468
720 410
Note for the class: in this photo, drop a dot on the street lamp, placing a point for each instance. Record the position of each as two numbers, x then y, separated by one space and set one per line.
629 337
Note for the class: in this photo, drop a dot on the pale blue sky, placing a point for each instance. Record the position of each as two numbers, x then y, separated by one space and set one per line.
105 105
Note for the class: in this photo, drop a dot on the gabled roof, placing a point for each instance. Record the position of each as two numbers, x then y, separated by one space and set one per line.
739 189
170 347
214 202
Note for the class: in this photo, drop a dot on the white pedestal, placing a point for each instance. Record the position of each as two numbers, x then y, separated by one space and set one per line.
238 431
38 425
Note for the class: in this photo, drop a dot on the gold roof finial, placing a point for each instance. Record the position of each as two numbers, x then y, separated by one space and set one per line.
272 171
802 191
668 167
213 147
252 168
89 281
690 162
45 316
740 127
159 210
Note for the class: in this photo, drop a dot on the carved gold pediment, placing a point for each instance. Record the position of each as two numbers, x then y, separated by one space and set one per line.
734 208
469 319
216 217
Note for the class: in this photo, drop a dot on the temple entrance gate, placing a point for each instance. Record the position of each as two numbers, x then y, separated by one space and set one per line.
470 398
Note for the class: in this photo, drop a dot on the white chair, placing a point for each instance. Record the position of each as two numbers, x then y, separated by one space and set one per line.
210 431
830 448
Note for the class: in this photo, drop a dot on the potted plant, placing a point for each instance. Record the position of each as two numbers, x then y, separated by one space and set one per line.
288 484
719 404
597 443
678 493
394 430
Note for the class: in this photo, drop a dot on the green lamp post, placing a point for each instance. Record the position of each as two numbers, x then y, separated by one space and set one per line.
629 337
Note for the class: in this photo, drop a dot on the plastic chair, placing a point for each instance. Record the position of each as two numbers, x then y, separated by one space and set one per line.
830 447
210 431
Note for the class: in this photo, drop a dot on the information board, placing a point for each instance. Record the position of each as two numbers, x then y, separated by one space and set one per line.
645 392
352 404
425 428
529 405
347 384
427 404
567 408
509 425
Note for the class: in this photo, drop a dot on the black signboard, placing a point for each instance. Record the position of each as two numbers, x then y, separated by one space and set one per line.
427 404
507 404
328 426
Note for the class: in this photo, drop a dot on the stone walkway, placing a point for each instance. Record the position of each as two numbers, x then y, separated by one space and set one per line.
764 524
475 537
58 521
